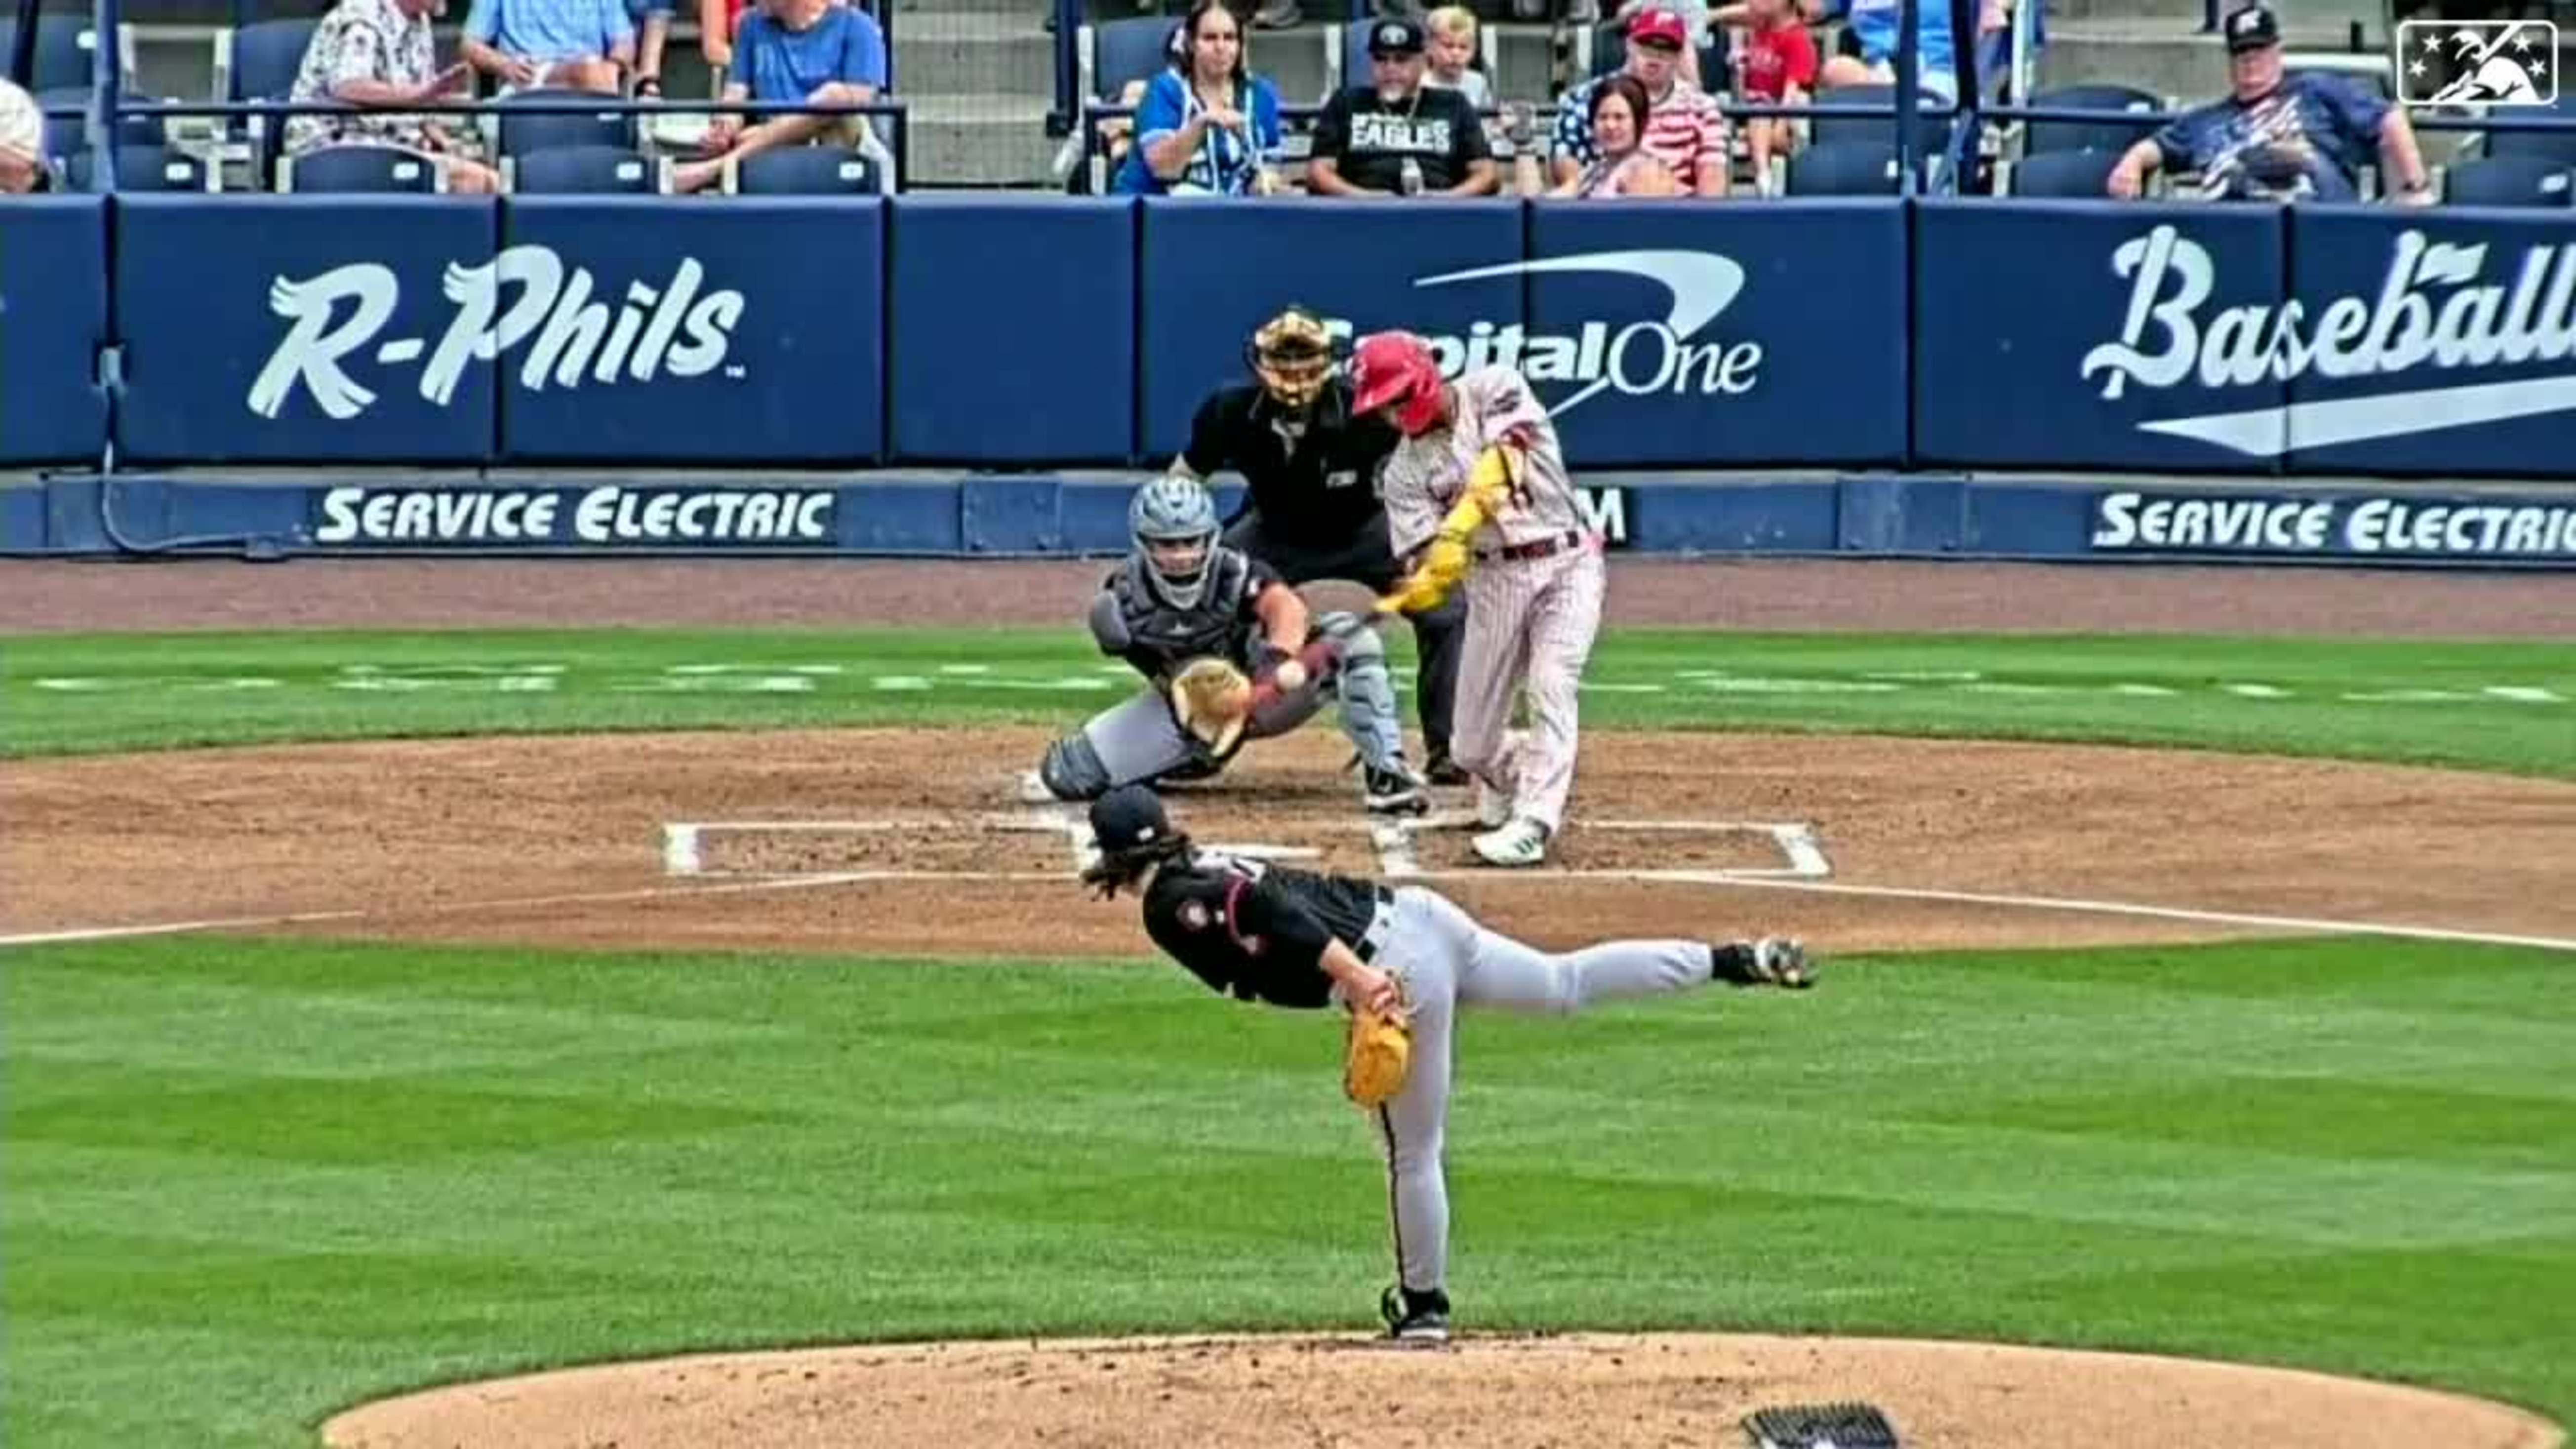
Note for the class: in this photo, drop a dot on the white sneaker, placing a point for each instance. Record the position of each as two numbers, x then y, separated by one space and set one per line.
1521 842
1493 807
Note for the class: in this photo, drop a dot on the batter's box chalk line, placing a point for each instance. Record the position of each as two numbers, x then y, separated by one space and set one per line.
684 846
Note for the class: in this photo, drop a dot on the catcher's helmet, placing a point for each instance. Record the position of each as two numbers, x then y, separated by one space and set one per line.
1396 369
1292 354
1175 510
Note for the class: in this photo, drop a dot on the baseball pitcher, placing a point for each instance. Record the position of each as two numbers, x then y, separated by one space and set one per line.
1477 489
1399 962
1231 655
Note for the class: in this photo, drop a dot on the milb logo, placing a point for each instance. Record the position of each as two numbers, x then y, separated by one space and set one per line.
670 330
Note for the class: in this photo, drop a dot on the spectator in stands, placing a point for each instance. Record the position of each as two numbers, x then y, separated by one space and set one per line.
1397 137
376 55
652 21
1207 126
2280 137
1775 66
1620 166
1685 130
1697 20
718 20
581 45
22 142
1869 43
1452 33
817 51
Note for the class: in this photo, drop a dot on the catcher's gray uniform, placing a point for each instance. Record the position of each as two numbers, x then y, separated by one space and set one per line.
1140 741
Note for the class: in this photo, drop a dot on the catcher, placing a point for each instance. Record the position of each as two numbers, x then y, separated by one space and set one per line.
1399 961
1232 656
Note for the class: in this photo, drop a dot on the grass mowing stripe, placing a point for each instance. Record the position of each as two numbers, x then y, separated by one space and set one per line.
2029 1144
2422 702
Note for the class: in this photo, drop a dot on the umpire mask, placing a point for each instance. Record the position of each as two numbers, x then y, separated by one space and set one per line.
1174 521
1292 354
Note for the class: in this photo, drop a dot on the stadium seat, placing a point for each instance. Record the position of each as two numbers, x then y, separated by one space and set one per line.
62 59
68 134
2064 173
1119 51
146 168
805 171
258 62
2558 145
357 168
584 170
1844 168
2104 135
1878 130
2509 181
523 132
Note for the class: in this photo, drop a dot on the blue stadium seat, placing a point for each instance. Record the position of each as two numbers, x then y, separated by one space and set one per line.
360 168
2065 173
258 62
522 132
2558 145
62 58
1844 168
2509 181
144 168
585 170
1123 50
2104 135
805 171
1874 130
67 134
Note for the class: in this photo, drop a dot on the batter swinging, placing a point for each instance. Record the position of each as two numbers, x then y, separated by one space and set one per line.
1301 940
1479 469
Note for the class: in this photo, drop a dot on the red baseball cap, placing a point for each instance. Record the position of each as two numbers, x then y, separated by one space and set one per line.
1664 25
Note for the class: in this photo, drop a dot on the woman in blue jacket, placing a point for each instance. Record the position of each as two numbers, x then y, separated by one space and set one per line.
1207 126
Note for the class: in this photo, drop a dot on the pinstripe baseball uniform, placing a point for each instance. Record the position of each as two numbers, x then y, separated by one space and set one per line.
1534 587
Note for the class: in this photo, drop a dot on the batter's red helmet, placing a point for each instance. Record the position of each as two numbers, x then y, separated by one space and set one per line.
1396 369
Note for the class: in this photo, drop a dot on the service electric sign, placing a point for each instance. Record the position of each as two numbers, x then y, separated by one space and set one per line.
2506 530
603 517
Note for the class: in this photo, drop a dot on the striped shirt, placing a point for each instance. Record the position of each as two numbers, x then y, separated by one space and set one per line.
1685 130
1424 476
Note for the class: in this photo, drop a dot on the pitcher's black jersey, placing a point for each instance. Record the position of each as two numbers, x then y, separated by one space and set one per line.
1223 623
1255 929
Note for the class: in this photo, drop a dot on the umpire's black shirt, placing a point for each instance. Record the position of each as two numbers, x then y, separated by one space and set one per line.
1315 488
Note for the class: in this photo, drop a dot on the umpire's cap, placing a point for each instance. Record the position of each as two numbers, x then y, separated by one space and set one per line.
1129 818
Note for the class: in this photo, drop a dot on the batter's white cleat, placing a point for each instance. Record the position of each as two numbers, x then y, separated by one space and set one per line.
1493 807
1523 842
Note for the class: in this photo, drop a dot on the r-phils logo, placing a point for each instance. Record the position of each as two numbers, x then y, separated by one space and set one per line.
2407 330
653 331
1647 357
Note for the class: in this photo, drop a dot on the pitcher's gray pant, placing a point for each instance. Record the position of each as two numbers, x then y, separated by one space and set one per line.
1447 960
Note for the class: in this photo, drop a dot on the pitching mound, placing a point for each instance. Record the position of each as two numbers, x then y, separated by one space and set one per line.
1597 1391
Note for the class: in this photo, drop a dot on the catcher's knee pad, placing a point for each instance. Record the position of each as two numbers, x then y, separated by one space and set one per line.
1351 638
1072 770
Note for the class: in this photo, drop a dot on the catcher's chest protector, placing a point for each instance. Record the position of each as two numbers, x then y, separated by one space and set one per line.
1218 625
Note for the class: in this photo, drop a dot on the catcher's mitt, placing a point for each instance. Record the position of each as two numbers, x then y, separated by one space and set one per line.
1213 701
1377 1056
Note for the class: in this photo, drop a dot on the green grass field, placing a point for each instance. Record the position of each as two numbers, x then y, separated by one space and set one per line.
250 1182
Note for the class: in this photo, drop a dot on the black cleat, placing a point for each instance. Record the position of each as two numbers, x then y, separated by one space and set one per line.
1413 1317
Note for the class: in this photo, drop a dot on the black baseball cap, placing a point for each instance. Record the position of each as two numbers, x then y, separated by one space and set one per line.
1396 35
2252 28
1128 817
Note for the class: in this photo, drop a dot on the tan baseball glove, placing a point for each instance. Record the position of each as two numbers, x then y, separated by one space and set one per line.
1378 1055
1213 701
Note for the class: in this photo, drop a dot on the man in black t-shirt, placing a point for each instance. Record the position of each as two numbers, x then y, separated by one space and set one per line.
1305 940
1396 136
1311 509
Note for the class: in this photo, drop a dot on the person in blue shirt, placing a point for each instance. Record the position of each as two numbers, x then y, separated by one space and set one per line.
1206 126
1871 25
823 51
568 44
2277 137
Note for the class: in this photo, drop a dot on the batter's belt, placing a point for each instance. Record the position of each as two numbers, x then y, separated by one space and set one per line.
1537 548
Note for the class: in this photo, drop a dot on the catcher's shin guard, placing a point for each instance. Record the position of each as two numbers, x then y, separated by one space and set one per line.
1072 770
